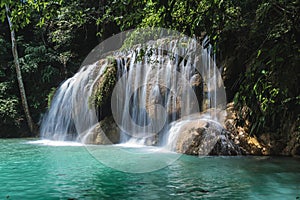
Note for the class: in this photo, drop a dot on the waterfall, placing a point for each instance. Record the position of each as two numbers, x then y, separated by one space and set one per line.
70 113
155 87
212 79
212 105
158 90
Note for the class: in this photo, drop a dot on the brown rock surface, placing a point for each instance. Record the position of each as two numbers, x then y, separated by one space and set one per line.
103 133
205 137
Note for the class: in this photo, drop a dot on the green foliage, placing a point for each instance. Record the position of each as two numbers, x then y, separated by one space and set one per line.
105 85
62 26
32 57
140 36
153 14
9 102
9 106
4 55
21 12
270 86
126 14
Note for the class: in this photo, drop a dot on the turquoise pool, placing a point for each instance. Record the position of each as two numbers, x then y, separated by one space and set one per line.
31 170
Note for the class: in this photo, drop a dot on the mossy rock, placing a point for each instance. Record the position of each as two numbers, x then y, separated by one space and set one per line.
102 90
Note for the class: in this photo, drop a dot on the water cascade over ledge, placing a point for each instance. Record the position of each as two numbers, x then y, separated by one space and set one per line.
158 88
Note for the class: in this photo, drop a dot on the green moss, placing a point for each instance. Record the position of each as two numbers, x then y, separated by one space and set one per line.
110 60
50 96
103 90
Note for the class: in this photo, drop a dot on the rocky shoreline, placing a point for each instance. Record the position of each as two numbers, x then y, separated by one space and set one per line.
266 144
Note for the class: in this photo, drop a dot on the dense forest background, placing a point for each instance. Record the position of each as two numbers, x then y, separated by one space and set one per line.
256 43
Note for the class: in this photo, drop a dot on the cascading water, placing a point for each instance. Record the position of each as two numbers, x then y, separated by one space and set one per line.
154 89
153 93
70 113
212 105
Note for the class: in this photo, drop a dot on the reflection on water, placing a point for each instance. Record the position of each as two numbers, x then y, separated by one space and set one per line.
35 171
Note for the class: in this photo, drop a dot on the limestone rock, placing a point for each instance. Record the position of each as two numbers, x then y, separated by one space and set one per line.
103 133
205 137
249 145
238 125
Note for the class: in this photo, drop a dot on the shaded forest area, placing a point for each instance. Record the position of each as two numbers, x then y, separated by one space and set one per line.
256 43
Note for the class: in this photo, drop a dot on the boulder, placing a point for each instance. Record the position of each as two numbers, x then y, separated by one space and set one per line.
200 136
103 133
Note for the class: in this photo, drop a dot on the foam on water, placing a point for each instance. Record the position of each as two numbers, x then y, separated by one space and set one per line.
131 145
55 143
143 148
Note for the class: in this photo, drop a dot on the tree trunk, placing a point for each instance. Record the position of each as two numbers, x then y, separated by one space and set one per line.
18 70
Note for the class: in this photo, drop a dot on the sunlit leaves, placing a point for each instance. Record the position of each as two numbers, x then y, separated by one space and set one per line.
21 12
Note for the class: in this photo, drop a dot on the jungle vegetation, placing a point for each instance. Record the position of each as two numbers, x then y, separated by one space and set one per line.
256 43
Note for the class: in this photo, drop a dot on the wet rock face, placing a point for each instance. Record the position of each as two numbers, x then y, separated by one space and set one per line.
164 96
111 129
201 137
163 84
105 132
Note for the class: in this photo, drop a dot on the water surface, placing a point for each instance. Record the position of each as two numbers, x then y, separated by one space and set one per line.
29 170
